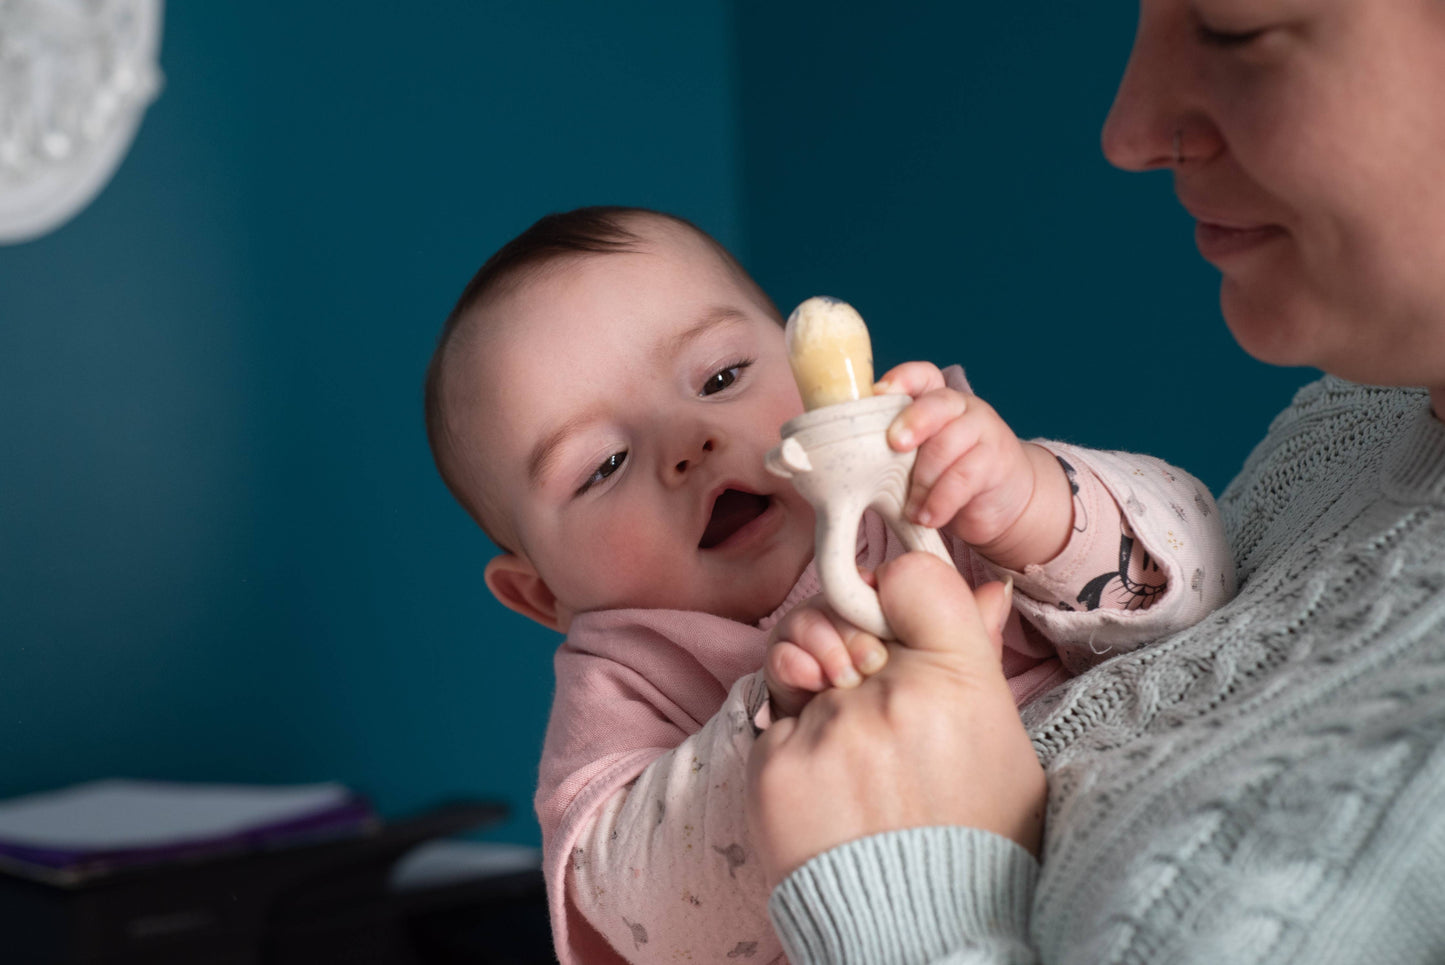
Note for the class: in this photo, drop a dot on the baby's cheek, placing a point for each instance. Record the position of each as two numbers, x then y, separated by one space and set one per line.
780 405
640 565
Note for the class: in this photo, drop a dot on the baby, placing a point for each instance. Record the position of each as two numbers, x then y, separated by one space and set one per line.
601 401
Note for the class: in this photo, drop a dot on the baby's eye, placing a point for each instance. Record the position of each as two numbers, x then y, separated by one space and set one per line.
723 378
609 465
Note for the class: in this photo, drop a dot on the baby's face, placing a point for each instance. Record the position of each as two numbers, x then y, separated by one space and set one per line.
627 403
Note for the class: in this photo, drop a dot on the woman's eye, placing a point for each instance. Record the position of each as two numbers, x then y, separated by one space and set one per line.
609 465
723 378
1226 38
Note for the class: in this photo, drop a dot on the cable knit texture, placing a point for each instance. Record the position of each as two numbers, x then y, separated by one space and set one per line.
904 898
1267 786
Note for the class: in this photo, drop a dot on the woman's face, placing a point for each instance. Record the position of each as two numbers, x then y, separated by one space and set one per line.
1307 139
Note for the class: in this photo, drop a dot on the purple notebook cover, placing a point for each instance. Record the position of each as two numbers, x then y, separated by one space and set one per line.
349 818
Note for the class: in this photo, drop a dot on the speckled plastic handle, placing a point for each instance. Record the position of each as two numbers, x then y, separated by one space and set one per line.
839 459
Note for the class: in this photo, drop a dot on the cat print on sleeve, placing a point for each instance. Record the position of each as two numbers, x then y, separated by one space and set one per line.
1137 582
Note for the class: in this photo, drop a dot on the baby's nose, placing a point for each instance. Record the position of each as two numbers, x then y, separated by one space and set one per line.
700 454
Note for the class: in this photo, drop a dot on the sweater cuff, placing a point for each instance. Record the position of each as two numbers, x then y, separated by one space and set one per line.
908 896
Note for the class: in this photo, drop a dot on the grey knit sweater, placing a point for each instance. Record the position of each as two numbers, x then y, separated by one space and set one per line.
1266 786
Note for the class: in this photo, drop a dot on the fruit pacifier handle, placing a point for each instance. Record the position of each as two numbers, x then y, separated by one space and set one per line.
837 454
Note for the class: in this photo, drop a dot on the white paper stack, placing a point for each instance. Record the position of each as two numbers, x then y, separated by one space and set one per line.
82 832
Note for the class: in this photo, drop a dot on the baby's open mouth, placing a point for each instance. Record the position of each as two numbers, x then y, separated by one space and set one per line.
732 510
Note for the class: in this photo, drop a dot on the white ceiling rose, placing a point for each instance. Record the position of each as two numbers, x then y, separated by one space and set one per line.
76 77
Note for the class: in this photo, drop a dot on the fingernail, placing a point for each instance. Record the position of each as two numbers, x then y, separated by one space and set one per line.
873 660
1008 591
847 677
925 518
882 387
902 437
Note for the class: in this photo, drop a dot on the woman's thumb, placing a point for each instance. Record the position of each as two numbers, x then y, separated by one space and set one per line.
930 607
995 602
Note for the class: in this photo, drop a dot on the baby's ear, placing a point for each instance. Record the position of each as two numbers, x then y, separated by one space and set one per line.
515 583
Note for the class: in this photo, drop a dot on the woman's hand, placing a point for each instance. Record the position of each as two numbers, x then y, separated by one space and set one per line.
932 739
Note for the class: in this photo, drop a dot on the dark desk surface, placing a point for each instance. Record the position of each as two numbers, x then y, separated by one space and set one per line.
313 904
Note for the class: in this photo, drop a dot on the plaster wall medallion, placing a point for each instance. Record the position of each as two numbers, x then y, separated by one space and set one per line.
76 77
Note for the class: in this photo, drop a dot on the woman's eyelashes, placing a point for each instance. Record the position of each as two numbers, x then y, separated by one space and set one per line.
1212 37
607 467
725 377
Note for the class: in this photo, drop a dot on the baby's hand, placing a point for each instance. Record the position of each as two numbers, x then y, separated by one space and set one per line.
812 649
973 476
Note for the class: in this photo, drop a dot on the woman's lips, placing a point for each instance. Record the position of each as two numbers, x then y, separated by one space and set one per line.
1217 241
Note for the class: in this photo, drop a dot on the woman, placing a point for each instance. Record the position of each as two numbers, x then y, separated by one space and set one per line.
1270 785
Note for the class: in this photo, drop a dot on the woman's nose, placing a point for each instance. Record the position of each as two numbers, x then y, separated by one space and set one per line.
1161 115
1137 134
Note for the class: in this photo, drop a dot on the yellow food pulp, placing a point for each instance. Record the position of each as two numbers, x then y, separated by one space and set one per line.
830 352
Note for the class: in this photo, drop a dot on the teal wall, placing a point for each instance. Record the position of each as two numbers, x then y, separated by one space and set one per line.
224 554
938 165
224 551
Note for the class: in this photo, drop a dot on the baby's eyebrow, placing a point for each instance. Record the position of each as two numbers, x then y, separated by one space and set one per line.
709 320
545 452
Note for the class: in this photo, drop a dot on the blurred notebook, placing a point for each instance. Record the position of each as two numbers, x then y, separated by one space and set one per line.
75 835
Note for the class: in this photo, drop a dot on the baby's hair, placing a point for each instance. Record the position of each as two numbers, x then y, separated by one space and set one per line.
596 230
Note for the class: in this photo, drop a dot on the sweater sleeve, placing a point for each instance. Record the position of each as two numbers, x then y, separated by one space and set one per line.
947 895
1170 566
665 870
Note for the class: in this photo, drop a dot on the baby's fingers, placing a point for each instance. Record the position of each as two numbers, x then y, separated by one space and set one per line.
910 378
812 631
842 650
955 488
950 468
929 414
792 668
793 678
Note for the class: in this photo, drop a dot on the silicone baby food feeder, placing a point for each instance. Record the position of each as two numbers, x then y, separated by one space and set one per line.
837 454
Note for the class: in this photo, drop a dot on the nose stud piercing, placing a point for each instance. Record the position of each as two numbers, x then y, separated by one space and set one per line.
1179 145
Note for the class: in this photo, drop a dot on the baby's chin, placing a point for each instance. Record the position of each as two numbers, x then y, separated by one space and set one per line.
748 611
739 605
747 616
754 612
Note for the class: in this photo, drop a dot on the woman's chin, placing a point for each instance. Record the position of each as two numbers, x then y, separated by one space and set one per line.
1277 331
1292 330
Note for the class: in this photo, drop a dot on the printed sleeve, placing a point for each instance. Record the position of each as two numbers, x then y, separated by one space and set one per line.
1148 557
956 896
1104 565
665 870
